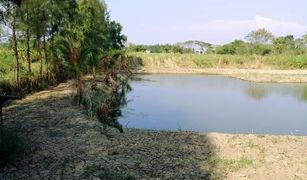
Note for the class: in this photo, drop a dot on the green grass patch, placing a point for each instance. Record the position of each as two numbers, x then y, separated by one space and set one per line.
8 73
235 165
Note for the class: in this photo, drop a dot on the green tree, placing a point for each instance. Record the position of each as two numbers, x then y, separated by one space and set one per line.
284 44
236 47
9 14
260 36
260 49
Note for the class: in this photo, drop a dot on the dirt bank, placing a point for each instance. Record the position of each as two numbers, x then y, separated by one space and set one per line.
254 75
63 143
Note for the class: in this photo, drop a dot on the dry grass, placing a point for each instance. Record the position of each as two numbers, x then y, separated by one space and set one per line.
250 68
262 157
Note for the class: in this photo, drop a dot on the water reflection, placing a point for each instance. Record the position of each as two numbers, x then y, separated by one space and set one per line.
256 92
260 91
303 95
216 104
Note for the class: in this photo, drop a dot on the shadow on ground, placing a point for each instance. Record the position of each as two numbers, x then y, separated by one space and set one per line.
63 143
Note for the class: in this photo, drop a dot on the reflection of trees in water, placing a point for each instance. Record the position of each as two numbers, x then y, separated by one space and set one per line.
256 92
303 95
299 92
260 92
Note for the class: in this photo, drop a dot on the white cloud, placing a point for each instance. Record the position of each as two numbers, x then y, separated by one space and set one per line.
227 30
280 27
221 31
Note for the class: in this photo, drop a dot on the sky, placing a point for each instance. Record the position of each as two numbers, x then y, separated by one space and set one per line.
213 21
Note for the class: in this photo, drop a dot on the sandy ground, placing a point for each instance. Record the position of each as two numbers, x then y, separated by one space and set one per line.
254 75
63 143
262 157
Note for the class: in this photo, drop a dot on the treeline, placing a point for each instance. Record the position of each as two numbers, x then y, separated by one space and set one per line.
50 41
158 48
53 40
258 42
263 42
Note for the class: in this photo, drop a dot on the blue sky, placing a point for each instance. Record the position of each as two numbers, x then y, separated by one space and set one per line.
213 21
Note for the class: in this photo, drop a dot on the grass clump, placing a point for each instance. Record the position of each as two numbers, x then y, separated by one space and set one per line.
235 165
112 175
94 170
11 146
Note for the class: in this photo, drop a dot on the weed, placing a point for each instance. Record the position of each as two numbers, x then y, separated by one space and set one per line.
235 165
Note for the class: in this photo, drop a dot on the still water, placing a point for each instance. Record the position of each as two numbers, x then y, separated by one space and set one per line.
216 104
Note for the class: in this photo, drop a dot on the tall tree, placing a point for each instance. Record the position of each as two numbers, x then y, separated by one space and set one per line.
259 36
283 44
15 43
37 23
25 26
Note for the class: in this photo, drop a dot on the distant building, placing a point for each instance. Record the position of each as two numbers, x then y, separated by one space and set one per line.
196 46
199 50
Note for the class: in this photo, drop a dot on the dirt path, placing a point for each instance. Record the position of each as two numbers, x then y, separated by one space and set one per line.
254 75
63 143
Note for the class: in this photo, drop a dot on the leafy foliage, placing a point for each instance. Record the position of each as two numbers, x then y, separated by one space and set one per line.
158 48
259 36
106 101
56 40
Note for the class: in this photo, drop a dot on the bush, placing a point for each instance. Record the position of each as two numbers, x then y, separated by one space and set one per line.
261 49
105 106
11 146
226 49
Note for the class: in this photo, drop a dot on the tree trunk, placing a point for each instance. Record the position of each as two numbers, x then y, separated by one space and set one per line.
79 90
94 73
28 40
15 49
28 51
53 60
46 57
39 55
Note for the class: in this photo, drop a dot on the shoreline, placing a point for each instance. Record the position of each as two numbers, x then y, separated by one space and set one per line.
251 75
216 133
64 142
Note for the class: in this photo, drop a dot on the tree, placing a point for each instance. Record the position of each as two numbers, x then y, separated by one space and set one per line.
226 49
25 26
261 49
235 47
300 46
260 36
9 13
115 33
15 44
283 44
38 21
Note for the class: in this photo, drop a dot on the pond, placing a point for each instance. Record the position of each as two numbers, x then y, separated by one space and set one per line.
215 104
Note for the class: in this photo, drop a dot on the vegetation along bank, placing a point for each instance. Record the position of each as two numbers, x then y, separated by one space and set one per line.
68 60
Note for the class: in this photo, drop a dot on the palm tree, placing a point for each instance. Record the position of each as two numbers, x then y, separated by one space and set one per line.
70 52
92 57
